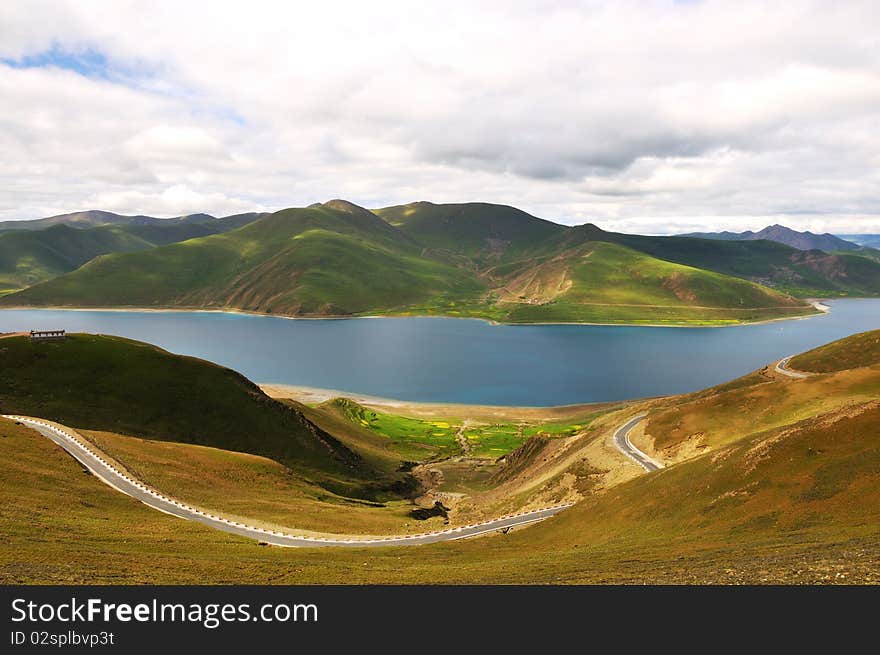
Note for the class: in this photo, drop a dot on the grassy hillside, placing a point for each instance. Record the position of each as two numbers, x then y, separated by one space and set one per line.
702 422
471 259
340 259
853 352
798 504
808 273
27 258
488 233
606 282
476 229
252 489
117 385
870 253
320 260
30 257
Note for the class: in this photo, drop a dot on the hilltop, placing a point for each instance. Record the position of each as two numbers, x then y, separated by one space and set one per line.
477 229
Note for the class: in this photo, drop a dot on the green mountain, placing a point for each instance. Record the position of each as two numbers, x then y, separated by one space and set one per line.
604 282
486 260
481 233
801 273
477 229
28 257
330 259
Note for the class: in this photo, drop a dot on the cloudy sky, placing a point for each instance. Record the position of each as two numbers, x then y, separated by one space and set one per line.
640 116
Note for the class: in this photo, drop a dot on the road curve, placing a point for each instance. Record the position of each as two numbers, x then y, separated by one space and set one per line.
624 445
95 461
782 367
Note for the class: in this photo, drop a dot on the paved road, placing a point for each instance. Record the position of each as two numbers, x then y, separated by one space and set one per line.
782 367
96 462
624 445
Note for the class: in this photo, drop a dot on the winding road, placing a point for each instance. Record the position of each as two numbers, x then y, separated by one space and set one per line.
782 367
624 445
96 462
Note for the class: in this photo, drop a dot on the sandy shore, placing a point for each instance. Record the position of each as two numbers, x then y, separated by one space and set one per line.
313 395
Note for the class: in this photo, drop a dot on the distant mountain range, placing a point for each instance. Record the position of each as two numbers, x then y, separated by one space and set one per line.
45 248
98 218
781 234
472 259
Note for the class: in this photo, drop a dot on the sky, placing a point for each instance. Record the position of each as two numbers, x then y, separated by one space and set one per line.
651 117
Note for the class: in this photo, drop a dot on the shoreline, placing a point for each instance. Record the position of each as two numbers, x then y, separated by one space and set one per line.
818 305
317 395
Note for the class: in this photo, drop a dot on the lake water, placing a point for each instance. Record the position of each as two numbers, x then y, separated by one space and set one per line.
467 361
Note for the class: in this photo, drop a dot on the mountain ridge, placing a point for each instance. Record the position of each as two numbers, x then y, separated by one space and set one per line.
463 259
98 218
487 261
805 240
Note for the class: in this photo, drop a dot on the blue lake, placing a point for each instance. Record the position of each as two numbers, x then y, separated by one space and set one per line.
467 361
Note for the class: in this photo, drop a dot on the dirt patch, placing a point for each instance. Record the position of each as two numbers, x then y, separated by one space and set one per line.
425 513
518 460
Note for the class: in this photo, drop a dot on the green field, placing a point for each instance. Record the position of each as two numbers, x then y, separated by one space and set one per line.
414 439
435 438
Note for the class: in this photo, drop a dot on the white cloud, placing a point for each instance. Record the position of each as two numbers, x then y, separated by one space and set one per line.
653 116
